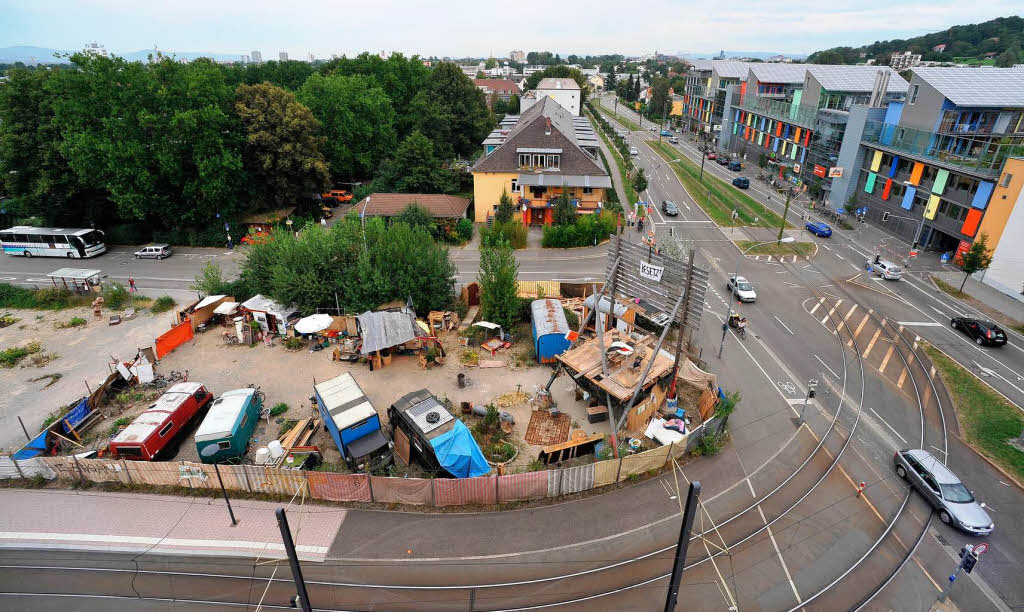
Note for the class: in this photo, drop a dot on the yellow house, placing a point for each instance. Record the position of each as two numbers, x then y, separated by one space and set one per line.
547 152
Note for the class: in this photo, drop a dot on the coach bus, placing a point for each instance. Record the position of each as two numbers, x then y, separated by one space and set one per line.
52 242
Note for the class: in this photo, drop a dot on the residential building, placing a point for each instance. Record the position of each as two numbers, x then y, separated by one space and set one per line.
902 61
517 56
439 205
800 128
565 91
504 89
95 48
1004 218
471 70
596 82
282 56
257 57
928 170
535 157
528 70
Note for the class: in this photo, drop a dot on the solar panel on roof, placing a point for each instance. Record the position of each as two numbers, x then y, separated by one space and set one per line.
855 78
988 87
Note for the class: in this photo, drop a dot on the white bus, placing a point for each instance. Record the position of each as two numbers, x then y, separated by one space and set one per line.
52 242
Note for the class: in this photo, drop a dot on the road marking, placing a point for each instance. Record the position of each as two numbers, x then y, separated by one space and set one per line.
935 447
784 325
847 317
824 246
828 368
871 344
885 360
886 423
855 267
919 323
936 309
903 377
816 305
831 312
778 552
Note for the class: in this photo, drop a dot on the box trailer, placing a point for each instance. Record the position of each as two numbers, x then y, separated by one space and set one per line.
157 430
353 423
225 431
424 429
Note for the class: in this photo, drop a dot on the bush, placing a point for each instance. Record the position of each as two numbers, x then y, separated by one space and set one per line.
588 230
708 445
10 357
12 296
163 304
464 229
571 318
512 232
128 233
279 409
116 296
54 298
73 322
293 343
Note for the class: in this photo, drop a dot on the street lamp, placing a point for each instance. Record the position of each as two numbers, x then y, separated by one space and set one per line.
728 309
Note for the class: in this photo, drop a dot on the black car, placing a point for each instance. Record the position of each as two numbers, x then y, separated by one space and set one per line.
669 208
723 161
981 331
742 182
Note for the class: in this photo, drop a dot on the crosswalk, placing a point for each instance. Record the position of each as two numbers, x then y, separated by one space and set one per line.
870 335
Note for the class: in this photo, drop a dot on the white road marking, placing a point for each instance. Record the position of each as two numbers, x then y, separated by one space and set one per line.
826 247
920 323
931 445
886 423
827 368
778 552
784 325
817 305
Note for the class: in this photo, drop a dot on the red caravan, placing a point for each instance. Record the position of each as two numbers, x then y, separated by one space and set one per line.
155 429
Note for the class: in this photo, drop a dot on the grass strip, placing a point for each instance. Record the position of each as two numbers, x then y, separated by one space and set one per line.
988 420
724 198
786 248
626 123
1016 326
626 183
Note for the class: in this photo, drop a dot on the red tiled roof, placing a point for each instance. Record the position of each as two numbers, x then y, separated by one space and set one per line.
392 204
498 85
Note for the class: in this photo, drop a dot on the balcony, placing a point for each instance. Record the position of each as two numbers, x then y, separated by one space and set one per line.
803 116
977 153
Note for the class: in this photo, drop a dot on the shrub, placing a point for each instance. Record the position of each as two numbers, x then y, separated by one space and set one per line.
708 444
512 232
491 420
117 425
279 409
54 297
12 296
464 229
116 296
163 304
73 322
588 230
571 318
10 357
293 343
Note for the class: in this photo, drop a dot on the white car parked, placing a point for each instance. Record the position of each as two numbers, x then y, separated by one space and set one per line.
633 151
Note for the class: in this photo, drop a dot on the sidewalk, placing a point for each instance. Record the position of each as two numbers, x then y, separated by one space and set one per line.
166 524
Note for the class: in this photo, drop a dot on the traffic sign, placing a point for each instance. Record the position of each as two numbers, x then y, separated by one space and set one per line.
913 252
980 549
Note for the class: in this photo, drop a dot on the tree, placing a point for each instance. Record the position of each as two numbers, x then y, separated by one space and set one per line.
1008 58
659 98
506 210
480 74
565 212
639 181
977 258
491 63
513 105
499 299
630 90
609 83
282 147
415 169
416 216
636 89
459 110
357 122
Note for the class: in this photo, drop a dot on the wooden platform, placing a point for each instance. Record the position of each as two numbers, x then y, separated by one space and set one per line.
622 380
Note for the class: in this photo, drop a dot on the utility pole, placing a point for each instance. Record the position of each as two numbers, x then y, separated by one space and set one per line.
293 560
227 501
703 156
684 540
782 227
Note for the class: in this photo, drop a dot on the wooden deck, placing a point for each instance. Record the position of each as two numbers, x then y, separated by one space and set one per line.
622 379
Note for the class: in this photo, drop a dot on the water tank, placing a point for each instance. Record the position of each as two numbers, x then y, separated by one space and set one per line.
263 455
276 450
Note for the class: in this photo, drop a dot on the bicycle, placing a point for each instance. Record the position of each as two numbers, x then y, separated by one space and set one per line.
259 394
176 376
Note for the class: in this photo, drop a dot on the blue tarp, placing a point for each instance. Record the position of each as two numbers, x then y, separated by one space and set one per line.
34 448
458 452
76 415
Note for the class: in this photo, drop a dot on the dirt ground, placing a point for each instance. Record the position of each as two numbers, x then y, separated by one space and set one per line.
289 377
82 357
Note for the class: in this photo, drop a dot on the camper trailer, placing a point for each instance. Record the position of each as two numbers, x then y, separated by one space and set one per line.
353 423
423 429
224 433
156 431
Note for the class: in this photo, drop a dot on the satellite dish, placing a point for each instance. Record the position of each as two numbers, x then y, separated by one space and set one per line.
433 417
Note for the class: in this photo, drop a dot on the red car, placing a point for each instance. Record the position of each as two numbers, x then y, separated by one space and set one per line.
711 155
157 430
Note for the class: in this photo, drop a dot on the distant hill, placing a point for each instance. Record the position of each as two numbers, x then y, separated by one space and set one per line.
44 55
995 42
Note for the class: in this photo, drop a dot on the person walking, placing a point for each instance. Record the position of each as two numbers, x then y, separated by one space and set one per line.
231 245
131 285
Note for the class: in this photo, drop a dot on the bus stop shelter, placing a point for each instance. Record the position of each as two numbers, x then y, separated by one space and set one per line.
78 280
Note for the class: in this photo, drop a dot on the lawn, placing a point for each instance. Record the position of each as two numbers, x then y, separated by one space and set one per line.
988 420
626 123
723 199
772 248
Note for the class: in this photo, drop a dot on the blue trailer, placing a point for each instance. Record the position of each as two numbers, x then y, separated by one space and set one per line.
224 433
353 423
549 329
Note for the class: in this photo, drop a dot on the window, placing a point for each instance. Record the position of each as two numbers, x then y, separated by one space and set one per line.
524 160
1007 178
166 428
515 185
538 161
224 445
245 419
914 91
552 162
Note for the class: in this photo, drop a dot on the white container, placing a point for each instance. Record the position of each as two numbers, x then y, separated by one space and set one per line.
262 455
276 450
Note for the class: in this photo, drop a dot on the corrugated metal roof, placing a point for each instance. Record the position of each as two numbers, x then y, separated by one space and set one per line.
156 415
344 400
548 317
223 415
262 303
701 65
729 69
855 78
605 305
977 87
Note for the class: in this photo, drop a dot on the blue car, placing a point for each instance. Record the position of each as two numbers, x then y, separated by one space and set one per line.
821 230
742 182
666 133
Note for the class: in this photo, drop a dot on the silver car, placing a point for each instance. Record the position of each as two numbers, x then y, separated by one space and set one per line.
943 490
741 288
154 251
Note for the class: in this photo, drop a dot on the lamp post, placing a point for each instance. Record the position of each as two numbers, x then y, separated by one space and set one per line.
728 308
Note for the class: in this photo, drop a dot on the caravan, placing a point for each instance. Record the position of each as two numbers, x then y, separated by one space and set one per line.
353 423
224 433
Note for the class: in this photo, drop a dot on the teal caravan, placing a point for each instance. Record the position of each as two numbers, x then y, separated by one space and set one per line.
224 433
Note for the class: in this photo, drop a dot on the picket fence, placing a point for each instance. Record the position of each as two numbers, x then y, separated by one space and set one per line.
332 486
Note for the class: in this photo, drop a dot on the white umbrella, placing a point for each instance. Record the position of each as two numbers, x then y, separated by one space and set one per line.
313 323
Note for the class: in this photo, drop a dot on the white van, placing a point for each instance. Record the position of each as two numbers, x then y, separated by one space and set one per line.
633 151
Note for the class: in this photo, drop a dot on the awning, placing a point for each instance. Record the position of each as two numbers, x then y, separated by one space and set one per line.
226 308
313 323
567 180
361 447
74 274
457 452
210 299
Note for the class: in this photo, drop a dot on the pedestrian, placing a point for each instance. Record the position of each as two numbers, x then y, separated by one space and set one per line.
230 244
131 285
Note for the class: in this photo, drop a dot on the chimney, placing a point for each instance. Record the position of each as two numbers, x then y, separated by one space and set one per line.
547 126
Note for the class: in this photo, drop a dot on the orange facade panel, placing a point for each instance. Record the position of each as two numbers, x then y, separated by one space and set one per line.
971 222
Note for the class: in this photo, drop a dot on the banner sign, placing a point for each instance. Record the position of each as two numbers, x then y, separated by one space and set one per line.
819 170
835 172
651 272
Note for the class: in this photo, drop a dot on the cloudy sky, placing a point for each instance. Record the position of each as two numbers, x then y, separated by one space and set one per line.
478 27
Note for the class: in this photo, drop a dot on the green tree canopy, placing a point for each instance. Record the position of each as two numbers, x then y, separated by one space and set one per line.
357 122
565 212
499 299
506 210
415 168
282 145
415 215
452 112
639 181
976 259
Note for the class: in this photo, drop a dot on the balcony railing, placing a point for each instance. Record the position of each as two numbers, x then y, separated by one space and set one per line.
979 153
804 116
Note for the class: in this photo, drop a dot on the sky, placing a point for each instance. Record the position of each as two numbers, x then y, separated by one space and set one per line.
476 28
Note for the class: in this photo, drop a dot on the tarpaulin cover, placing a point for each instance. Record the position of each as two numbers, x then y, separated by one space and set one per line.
570 480
465 491
36 446
689 372
171 340
416 491
339 487
381 330
528 485
458 452
76 415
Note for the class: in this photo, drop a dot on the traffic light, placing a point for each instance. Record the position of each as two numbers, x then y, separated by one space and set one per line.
885 217
969 562
811 387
